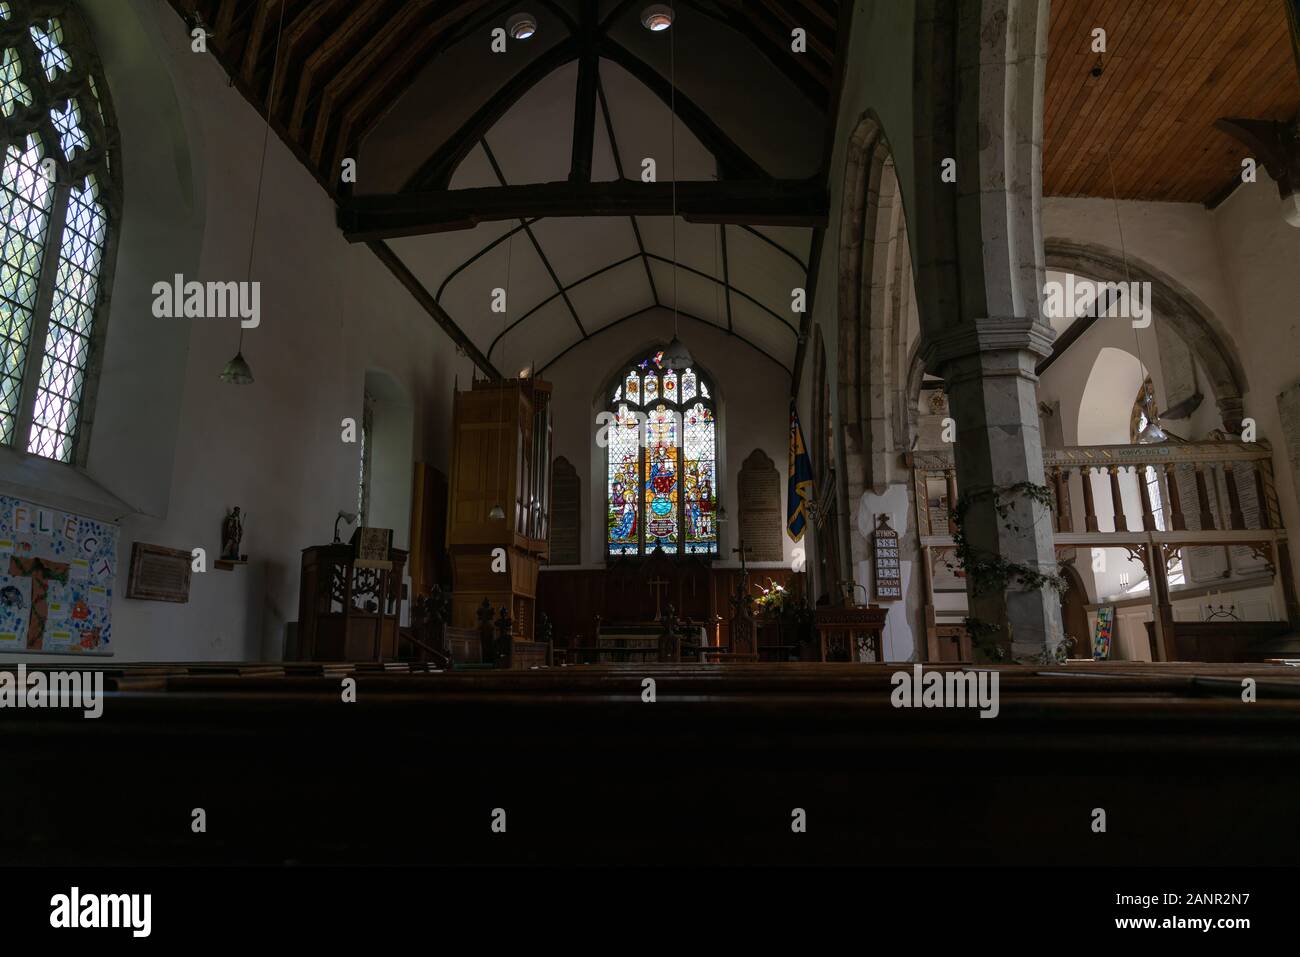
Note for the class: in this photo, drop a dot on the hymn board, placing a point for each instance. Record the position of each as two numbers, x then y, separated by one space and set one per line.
887 577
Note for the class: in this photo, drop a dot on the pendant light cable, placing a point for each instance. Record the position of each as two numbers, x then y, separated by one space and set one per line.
501 405
1150 409
261 170
672 138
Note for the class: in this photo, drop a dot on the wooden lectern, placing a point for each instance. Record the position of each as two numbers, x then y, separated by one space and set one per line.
347 613
501 457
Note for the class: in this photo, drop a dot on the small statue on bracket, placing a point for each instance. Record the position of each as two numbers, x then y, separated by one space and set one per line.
232 530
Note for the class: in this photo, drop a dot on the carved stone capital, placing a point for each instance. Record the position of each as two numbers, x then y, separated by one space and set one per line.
992 334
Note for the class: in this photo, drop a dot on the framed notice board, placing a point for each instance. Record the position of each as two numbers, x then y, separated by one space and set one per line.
884 552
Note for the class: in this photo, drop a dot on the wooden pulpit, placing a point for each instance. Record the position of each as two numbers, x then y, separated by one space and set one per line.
842 633
345 612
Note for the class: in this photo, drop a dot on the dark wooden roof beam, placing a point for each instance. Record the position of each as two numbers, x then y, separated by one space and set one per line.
584 100
762 202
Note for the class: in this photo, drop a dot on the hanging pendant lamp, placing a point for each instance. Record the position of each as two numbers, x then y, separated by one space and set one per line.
677 356
237 370
1151 433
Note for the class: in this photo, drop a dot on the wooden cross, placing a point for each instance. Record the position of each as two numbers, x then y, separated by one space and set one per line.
743 550
658 584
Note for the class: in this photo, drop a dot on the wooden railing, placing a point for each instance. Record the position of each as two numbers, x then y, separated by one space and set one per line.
1153 500
1215 491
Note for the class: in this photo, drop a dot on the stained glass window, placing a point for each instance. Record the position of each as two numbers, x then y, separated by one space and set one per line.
57 199
699 479
623 492
662 489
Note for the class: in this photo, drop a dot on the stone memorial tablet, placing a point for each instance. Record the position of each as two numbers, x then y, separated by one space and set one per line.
759 494
566 514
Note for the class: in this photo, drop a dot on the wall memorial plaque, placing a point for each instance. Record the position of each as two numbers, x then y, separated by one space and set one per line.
159 573
566 514
761 521
886 573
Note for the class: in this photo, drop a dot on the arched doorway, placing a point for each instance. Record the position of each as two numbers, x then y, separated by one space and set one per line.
1074 613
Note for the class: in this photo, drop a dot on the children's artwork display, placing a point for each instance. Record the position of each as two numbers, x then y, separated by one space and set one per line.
56 580
1105 629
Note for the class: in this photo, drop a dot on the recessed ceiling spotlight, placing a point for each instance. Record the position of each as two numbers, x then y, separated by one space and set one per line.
657 17
521 26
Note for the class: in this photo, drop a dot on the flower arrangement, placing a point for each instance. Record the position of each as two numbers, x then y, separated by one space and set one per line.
773 600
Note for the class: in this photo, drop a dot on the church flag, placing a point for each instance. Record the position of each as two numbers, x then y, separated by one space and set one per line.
800 492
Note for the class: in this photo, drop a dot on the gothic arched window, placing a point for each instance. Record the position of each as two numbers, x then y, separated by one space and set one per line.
58 201
661 464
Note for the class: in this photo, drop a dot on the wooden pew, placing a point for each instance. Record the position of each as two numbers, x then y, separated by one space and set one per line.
291 773
1223 641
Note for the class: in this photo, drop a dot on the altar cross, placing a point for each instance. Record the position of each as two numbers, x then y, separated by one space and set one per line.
743 550
658 584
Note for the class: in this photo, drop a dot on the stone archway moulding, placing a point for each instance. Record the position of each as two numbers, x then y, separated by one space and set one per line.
1171 302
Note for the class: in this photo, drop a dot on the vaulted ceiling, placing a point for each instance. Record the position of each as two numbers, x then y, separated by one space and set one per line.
522 169
1172 68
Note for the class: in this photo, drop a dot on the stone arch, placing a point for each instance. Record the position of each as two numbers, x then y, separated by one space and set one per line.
827 467
1190 318
1114 379
915 380
876 295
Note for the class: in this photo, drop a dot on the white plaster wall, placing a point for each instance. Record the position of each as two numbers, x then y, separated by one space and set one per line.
1243 262
330 311
1261 255
391 462
901 626
753 395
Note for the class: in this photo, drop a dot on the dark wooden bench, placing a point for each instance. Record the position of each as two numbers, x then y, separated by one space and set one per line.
1223 641
261 748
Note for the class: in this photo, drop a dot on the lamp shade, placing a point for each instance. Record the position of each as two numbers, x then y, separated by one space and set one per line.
237 371
497 513
677 356
1150 433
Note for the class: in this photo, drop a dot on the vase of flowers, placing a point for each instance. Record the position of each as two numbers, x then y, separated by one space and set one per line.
791 614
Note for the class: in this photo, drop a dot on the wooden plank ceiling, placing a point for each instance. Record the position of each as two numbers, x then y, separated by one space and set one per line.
342 63
1173 68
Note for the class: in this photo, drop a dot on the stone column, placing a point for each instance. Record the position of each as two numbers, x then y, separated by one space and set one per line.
988 371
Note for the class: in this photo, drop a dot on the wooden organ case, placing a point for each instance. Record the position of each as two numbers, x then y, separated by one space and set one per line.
501 456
